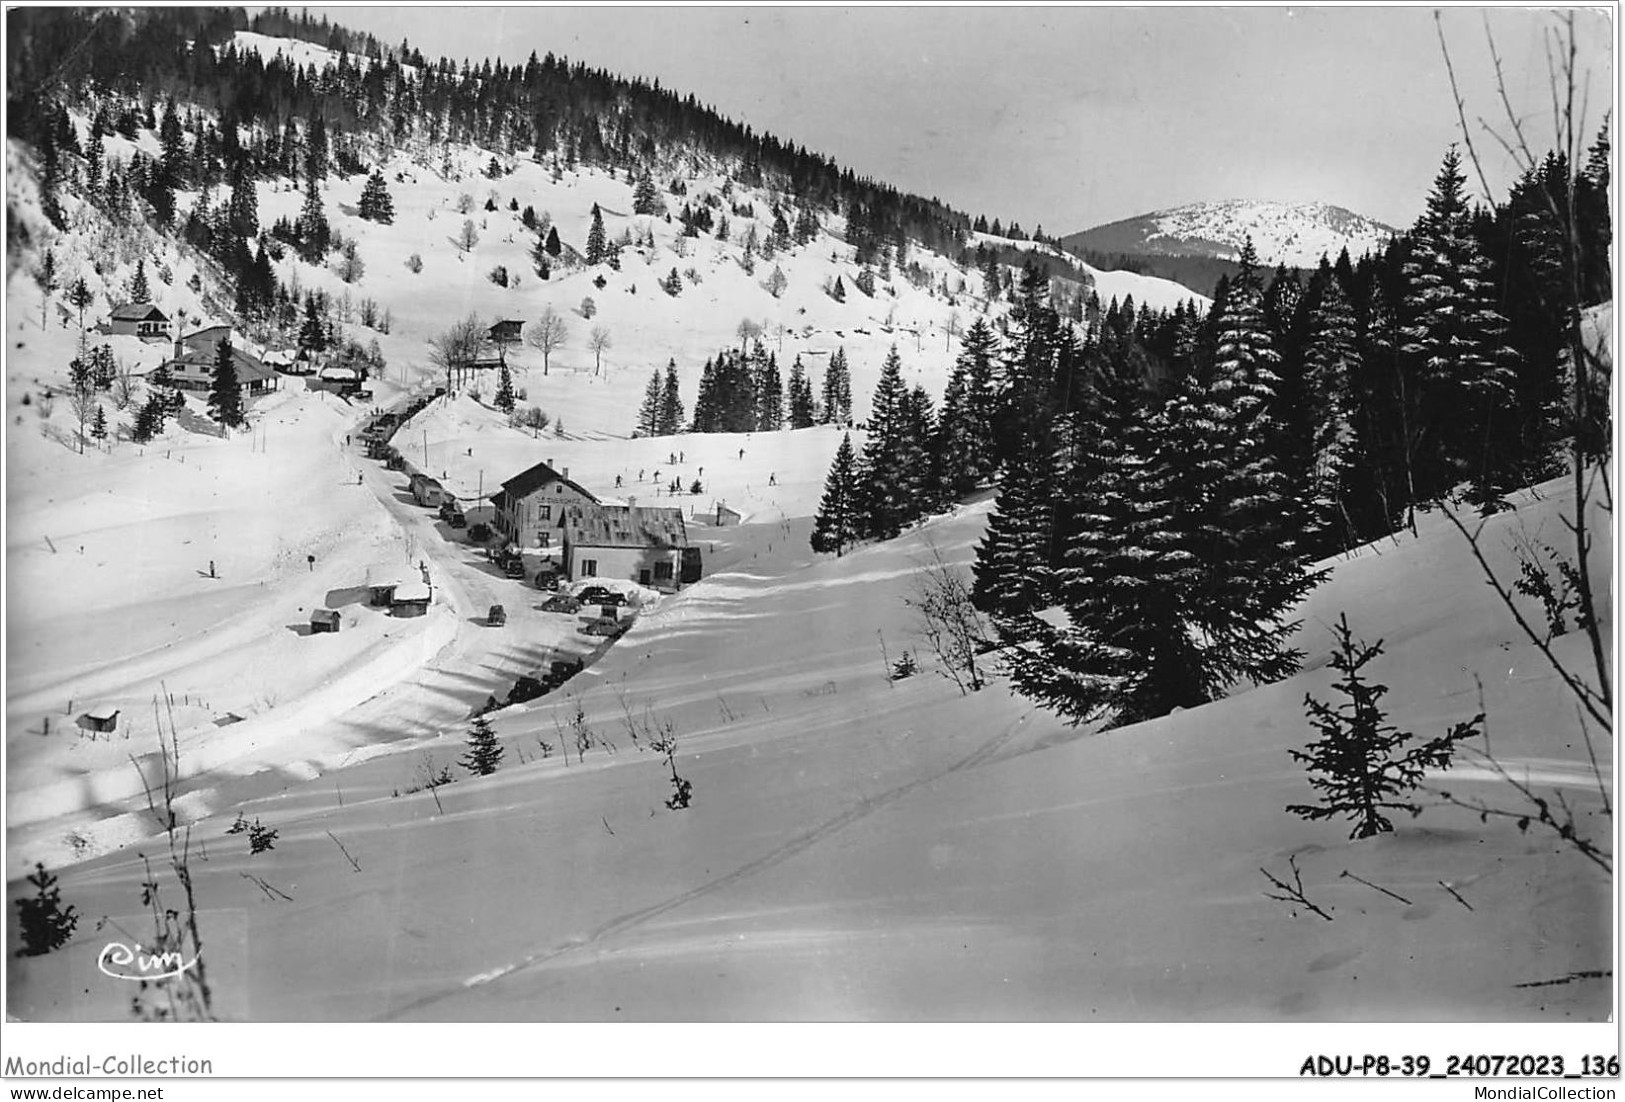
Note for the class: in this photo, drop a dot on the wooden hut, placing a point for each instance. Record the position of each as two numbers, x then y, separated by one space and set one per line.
324 619
381 593
409 599
100 718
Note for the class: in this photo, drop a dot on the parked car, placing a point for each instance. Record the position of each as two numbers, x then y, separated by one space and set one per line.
547 578
606 626
564 669
599 595
514 567
497 616
561 603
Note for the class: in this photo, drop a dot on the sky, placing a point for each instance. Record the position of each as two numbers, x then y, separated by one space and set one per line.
1070 117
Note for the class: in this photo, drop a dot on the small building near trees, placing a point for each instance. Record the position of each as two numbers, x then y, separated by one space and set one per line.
139 319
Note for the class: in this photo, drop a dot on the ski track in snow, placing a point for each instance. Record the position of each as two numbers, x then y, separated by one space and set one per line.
777 856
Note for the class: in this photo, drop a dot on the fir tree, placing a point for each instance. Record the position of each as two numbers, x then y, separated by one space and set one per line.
800 397
376 204
1331 356
596 240
1357 765
225 399
882 498
45 924
769 398
837 397
98 424
649 412
484 754
1458 342
645 198
140 291
504 399
835 525
671 403
314 234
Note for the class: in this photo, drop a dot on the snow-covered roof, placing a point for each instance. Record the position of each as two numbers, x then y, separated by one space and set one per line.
625 526
138 311
411 591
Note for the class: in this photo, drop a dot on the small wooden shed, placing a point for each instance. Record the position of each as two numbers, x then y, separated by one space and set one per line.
324 619
100 718
409 599
725 517
382 592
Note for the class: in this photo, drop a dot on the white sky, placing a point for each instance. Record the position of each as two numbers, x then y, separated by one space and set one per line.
1076 115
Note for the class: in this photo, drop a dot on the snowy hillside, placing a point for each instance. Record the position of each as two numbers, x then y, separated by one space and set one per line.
849 835
1294 234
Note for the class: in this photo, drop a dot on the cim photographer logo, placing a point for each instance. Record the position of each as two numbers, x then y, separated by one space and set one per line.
126 962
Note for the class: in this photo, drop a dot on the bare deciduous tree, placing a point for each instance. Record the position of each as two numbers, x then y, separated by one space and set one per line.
549 334
467 237
599 342
455 348
948 620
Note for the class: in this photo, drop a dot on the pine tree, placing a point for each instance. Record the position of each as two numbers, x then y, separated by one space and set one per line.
837 397
1012 573
800 397
1458 341
314 234
504 399
313 331
1331 356
649 413
98 424
596 239
44 923
1356 765
882 498
139 289
645 199
769 398
1232 500
835 526
1125 648
376 204
225 399
484 754
671 403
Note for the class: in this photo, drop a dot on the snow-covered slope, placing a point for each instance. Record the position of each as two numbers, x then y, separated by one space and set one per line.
863 849
1295 234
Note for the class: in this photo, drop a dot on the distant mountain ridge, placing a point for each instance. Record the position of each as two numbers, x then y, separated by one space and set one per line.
1294 234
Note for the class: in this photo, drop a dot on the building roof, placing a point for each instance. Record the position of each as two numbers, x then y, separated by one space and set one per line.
339 374
624 526
324 616
528 481
200 362
411 591
207 337
138 311
100 712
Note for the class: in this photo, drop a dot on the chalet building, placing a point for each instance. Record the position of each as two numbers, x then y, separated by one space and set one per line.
641 544
139 319
506 332
341 380
410 599
192 366
530 506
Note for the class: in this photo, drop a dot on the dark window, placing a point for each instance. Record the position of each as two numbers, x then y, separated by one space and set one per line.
589 568
544 512
663 571
544 539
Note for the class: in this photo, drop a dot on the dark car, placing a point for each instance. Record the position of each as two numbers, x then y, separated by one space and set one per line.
514 567
497 616
606 626
561 603
547 578
592 595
